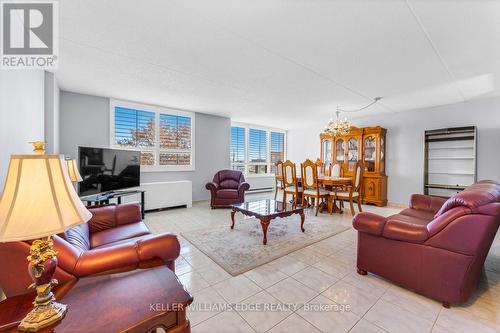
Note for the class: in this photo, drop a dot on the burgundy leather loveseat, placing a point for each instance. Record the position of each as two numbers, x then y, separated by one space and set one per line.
114 240
228 187
436 247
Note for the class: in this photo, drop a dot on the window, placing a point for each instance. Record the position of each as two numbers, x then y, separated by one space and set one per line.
254 150
175 140
257 151
238 148
277 148
165 137
136 129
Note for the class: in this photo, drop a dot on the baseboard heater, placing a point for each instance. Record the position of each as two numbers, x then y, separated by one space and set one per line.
161 195
258 190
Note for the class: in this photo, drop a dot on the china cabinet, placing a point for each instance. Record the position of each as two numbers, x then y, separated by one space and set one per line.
365 145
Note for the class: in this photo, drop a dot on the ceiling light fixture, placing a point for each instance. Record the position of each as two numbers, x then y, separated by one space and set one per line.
343 127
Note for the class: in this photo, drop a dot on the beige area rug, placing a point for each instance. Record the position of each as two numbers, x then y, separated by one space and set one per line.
241 249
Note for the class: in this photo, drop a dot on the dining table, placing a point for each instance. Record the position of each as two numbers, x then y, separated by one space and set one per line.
331 182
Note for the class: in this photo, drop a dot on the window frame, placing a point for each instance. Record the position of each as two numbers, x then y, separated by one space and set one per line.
113 103
268 131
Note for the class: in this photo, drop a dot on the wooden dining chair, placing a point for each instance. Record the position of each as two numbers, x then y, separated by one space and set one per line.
351 192
290 182
320 167
278 178
310 184
335 170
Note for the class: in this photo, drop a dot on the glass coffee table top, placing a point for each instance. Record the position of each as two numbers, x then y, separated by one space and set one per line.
267 207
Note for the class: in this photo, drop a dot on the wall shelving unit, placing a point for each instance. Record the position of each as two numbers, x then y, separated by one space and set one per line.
449 160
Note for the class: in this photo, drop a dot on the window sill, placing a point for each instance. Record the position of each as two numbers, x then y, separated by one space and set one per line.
148 169
259 176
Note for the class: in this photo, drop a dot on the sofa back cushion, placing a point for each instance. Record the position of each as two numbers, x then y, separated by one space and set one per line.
229 179
78 237
473 197
128 213
103 218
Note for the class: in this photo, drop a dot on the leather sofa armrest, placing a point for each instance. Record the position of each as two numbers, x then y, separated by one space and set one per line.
163 246
212 187
426 202
369 223
243 187
404 230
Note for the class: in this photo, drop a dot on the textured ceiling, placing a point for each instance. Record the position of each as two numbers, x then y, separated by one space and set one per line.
281 62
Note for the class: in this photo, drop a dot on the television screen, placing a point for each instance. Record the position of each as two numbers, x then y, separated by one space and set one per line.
105 170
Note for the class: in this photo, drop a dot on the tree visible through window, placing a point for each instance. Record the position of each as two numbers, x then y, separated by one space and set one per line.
136 129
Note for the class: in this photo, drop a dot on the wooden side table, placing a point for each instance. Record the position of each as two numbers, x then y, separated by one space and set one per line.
134 302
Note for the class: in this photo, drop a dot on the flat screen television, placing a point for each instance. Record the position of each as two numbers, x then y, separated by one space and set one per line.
107 170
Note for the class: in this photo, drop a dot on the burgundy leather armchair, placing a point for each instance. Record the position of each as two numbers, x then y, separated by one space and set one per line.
228 187
114 240
436 247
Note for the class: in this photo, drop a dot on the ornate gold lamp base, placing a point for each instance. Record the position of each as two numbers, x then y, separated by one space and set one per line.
42 265
43 315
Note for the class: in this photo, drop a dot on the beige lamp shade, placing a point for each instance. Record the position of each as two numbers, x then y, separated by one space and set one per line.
38 199
74 174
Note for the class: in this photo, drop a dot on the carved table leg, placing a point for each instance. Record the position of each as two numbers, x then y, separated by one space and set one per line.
232 218
264 223
302 219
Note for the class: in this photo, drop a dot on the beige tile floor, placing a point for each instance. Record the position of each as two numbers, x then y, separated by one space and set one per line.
322 274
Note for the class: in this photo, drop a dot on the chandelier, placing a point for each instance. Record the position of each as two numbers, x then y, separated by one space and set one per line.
343 127
337 126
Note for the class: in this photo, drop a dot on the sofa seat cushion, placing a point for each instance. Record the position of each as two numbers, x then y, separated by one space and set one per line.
406 228
227 194
119 233
418 213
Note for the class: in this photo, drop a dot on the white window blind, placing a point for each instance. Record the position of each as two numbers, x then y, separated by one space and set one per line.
175 140
277 148
238 148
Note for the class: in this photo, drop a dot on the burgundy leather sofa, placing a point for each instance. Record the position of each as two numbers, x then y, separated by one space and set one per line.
436 247
228 187
114 240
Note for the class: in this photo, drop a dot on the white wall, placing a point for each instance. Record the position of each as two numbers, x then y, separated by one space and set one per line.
84 121
21 113
405 150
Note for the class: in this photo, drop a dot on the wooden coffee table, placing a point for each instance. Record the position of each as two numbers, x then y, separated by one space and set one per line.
266 210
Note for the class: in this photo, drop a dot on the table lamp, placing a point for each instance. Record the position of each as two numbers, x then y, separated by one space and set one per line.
39 201
73 172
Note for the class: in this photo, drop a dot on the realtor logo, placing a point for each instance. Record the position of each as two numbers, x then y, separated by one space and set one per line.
29 34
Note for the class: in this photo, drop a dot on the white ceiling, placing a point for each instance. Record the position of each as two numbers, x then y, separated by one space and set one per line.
283 63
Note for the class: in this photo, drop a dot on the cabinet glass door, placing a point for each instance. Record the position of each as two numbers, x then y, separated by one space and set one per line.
327 152
382 154
352 152
339 150
370 153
